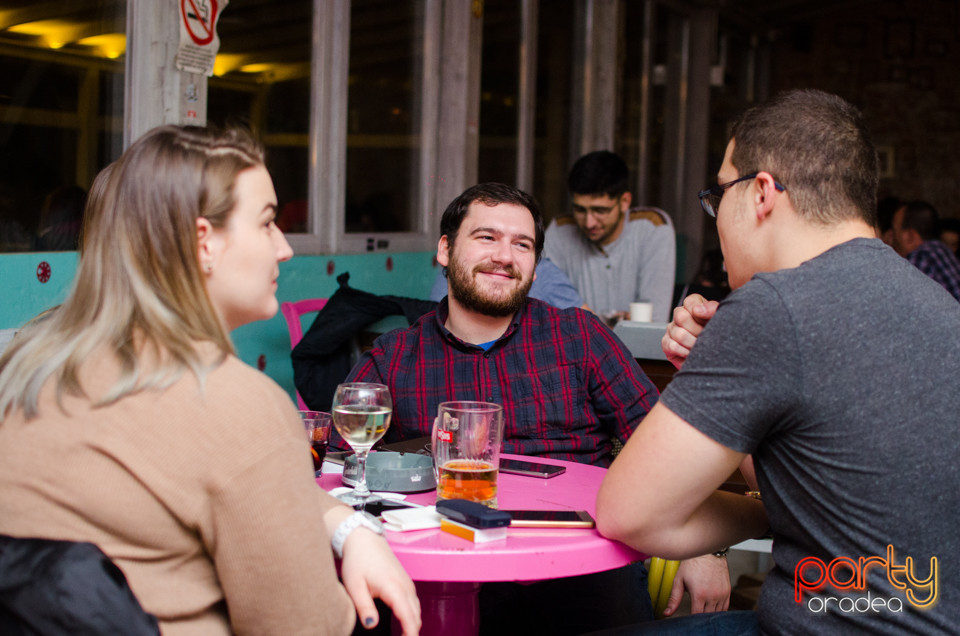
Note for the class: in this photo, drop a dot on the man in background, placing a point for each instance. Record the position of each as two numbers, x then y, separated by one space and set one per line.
613 254
916 237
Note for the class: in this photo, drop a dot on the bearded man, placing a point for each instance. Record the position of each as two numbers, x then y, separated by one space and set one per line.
567 385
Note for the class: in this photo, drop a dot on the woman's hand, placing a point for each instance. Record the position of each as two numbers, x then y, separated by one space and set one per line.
370 570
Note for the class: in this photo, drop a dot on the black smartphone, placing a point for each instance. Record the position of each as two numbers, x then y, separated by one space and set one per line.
531 469
550 519
376 508
472 513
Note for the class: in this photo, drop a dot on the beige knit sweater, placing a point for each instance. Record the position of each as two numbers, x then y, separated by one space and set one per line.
205 499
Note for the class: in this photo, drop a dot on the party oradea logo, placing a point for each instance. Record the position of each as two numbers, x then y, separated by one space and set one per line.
817 578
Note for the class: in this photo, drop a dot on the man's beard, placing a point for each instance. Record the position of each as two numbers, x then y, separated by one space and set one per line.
466 290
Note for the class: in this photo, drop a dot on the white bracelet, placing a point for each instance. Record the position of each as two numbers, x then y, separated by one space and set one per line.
351 523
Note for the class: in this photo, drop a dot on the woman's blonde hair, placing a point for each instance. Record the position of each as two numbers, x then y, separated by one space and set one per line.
139 288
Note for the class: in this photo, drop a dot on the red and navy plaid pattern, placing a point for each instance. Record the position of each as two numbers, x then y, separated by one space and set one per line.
935 259
567 384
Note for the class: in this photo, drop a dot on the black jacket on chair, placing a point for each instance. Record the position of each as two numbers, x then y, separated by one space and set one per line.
63 587
321 360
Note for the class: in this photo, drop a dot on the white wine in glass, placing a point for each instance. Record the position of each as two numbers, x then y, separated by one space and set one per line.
361 414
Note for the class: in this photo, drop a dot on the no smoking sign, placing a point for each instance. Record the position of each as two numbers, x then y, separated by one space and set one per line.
198 35
199 19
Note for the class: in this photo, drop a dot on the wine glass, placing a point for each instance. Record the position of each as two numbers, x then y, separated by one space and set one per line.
361 413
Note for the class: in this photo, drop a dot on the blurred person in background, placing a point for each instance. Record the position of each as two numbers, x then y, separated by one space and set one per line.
916 237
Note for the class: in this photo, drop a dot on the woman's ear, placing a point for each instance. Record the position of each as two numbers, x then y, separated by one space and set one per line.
206 245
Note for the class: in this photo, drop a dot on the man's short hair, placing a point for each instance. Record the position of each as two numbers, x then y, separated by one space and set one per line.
490 194
600 172
922 217
817 145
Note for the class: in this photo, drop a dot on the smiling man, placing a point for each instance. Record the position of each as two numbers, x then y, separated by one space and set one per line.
828 365
567 385
613 254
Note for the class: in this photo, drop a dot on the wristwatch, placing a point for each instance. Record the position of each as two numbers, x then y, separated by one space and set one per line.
351 523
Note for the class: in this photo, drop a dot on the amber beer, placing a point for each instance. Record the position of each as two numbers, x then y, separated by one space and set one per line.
471 479
466 441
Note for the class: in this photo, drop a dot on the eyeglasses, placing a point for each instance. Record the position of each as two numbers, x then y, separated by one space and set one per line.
597 212
710 198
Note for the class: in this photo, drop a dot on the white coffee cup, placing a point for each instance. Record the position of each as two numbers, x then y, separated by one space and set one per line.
641 312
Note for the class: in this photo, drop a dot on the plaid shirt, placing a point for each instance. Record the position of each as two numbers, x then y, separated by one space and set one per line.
935 259
566 383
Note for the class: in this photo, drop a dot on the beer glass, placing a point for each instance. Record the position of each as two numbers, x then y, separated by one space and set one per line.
466 450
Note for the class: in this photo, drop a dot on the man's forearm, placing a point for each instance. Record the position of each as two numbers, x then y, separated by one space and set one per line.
723 519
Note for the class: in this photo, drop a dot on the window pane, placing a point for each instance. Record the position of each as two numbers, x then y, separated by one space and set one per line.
61 115
499 91
555 28
262 80
383 120
631 115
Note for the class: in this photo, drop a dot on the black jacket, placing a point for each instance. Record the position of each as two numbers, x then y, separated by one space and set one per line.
321 360
61 587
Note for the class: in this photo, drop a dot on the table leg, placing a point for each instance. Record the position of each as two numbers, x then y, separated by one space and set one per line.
447 608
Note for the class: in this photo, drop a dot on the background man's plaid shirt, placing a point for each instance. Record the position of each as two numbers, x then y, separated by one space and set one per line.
935 259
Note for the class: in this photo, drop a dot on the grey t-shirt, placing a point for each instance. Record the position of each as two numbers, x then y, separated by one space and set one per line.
842 377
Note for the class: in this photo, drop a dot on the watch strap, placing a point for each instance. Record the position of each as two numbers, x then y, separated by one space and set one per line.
348 525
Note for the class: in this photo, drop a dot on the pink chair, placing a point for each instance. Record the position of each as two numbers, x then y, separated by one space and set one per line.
292 313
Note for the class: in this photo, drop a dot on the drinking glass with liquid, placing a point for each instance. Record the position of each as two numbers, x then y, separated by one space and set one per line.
466 450
317 425
361 413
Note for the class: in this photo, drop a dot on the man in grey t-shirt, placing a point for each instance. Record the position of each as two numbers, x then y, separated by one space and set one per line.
831 369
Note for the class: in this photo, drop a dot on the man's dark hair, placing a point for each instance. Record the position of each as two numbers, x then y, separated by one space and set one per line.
600 172
817 145
490 194
922 217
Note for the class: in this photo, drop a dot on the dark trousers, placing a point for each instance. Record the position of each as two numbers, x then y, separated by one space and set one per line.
738 623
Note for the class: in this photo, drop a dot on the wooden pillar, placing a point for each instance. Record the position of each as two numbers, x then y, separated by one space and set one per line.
328 123
691 43
458 134
156 91
595 86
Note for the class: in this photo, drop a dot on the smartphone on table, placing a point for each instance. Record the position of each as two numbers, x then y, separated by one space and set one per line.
377 508
531 469
550 519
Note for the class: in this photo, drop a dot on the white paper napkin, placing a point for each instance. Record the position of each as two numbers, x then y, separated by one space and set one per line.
411 519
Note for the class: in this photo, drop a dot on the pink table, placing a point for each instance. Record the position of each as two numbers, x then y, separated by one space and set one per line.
448 570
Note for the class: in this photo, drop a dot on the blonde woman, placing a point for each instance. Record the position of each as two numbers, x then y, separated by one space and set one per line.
127 421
